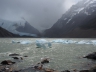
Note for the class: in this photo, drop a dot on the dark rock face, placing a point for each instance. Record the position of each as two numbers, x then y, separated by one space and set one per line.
14 54
25 56
85 71
45 61
65 71
79 21
91 56
28 29
7 62
5 33
15 58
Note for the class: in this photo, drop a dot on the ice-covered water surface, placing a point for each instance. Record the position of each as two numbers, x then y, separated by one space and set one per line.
64 53
45 43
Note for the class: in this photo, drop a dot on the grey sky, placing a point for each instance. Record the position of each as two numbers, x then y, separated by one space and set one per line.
39 13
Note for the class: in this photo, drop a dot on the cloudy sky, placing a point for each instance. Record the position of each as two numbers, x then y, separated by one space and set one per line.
39 13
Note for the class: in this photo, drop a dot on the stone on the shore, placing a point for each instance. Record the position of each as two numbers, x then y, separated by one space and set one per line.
91 56
49 70
85 71
25 56
18 58
65 71
45 61
14 54
7 62
15 58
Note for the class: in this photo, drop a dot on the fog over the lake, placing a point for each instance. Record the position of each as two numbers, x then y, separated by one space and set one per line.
41 14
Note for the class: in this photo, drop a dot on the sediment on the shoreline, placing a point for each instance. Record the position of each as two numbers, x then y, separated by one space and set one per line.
9 66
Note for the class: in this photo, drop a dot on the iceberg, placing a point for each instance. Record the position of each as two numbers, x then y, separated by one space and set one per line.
81 42
84 42
42 43
22 42
63 41
58 41
25 42
13 41
94 42
49 44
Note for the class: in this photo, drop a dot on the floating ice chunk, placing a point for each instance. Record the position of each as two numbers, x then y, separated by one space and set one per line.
63 41
49 45
93 42
22 42
25 42
71 41
81 42
15 41
58 41
38 45
43 43
86 42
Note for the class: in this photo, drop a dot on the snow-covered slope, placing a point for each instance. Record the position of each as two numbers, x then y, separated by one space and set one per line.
12 26
86 7
82 15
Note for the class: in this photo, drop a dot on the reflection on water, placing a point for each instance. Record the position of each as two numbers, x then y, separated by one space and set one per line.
62 56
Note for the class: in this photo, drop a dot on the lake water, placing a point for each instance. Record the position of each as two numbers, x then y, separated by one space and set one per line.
62 56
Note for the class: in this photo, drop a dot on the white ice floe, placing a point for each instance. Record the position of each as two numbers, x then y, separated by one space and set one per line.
63 41
25 42
13 41
93 42
22 42
42 43
58 41
81 42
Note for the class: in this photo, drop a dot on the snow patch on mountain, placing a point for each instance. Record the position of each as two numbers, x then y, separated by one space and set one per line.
87 13
92 1
80 9
65 18
11 27
71 18
86 1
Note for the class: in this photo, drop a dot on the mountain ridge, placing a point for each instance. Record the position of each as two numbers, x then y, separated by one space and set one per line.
78 16
13 26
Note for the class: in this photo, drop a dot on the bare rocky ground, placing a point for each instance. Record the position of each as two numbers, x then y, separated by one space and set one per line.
9 66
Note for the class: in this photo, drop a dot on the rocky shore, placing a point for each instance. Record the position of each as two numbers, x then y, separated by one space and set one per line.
9 65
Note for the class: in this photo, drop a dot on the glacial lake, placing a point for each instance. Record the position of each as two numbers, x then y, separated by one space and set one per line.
64 53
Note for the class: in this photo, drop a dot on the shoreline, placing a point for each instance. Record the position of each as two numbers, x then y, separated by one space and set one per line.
9 66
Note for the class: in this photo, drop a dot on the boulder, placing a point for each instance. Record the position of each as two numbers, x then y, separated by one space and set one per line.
7 62
91 56
45 61
65 71
25 56
85 71
15 57
14 54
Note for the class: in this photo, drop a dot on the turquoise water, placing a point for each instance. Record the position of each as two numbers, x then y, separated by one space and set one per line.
62 56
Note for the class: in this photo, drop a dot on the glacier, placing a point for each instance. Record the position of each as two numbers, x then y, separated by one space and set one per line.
11 27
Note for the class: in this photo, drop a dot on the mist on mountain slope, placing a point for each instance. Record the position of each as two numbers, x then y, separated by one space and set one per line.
41 14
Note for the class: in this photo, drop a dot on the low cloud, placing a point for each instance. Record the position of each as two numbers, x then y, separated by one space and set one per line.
41 14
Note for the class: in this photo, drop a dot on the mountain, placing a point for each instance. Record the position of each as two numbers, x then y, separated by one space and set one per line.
5 33
27 28
19 28
78 22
